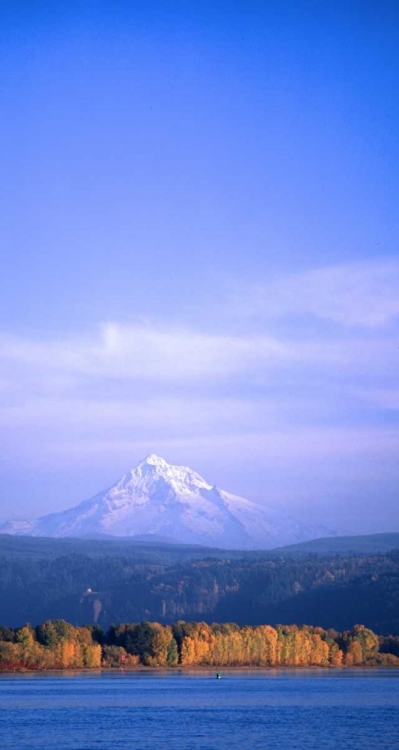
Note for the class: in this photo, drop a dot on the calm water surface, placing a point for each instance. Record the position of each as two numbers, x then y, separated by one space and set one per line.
320 710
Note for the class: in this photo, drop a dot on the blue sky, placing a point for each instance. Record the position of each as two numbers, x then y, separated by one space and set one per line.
200 254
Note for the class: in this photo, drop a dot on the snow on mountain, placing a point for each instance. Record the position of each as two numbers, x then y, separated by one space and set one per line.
157 500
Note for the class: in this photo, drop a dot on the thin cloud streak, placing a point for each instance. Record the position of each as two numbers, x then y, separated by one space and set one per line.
140 352
177 356
363 295
386 399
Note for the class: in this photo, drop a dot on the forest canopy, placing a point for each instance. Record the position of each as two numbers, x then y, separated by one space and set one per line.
59 645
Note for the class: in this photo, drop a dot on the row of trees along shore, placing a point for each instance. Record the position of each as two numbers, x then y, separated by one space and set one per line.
58 645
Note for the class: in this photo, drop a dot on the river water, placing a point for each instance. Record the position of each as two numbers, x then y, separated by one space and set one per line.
245 710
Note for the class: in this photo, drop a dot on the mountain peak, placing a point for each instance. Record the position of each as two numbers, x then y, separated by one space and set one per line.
161 500
154 460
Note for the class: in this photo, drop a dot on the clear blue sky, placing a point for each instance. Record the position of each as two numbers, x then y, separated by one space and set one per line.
200 254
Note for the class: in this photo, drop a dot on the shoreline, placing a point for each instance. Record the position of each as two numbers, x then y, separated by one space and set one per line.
203 668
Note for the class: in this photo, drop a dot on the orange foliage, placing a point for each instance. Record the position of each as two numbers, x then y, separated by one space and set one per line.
58 645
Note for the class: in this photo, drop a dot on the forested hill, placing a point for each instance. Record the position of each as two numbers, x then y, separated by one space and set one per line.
117 581
366 544
149 551
46 548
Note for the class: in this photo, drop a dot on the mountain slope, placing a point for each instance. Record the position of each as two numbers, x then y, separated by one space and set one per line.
158 500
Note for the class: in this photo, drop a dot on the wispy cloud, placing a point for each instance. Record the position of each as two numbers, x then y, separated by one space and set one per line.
144 351
180 356
383 398
364 295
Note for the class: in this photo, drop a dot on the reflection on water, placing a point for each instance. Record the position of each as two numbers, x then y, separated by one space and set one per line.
292 710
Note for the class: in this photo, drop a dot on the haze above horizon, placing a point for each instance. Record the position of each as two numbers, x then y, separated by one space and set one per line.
201 252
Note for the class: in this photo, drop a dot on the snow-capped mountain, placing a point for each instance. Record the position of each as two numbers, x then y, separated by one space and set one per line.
158 500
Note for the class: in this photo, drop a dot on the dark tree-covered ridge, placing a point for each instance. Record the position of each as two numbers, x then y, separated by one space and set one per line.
103 582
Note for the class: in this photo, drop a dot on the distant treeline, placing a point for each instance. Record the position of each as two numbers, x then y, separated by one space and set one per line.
58 645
